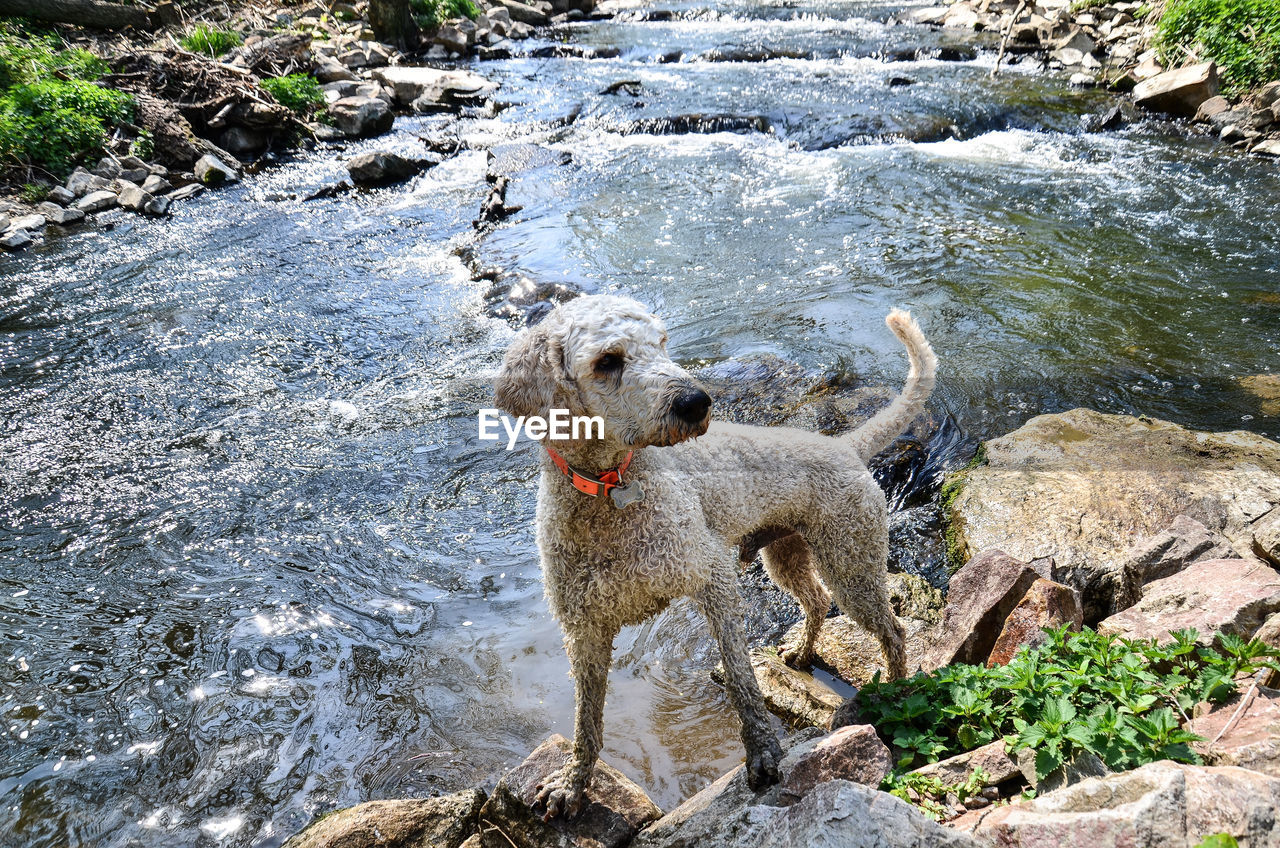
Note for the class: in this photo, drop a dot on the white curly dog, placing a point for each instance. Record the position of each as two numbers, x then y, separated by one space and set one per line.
652 512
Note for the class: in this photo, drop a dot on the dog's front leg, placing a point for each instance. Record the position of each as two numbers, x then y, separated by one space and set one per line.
590 654
722 606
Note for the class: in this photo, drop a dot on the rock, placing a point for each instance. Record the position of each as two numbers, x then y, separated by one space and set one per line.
134 175
156 185
381 167
853 753
1081 766
340 89
528 14
361 117
613 811
58 215
134 198
980 598
1252 737
1266 537
1184 542
1270 147
836 813
1082 80
1054 488
1232 595
913 597
242 141
1215 105
212 171
991 758
108 168
853 654
794 695
81 182
61 196
1148 66
28 222
158 206
444 822
1077 39
16 240
960 16
96 201
1179 92
452 39
1160 805
329 69
1046 604
1068 56
432 89
187 191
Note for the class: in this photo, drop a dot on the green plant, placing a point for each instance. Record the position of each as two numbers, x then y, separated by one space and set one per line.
144 146
52 114
34 192
1219 840
430 14
1121 700
209 41
1242 36
1081 5
929 793
1140 13
299 93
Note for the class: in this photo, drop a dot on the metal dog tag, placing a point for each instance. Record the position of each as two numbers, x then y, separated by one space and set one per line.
624 496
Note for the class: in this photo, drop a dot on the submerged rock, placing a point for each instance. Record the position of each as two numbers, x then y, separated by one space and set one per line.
381 167
443 822
1081 487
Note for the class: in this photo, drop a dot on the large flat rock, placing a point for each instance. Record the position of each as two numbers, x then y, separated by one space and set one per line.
1234 596
1083 487
1180 91
433 85
1161 805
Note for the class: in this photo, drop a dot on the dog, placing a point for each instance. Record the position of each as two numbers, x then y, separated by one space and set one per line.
654 510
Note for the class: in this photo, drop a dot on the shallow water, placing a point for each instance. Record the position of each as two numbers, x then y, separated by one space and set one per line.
256 564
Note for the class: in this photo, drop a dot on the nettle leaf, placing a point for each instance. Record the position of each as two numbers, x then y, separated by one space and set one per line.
1048 760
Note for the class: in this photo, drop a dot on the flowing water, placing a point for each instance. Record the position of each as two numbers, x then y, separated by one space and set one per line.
256 563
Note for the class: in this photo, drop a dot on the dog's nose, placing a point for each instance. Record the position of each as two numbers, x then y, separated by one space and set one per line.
691 405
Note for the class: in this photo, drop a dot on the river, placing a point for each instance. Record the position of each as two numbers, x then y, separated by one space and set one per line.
254 562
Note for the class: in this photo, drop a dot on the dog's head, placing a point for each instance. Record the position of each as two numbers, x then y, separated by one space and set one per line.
604 356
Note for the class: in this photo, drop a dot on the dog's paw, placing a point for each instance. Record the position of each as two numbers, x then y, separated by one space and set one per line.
561 795
796 658
762 765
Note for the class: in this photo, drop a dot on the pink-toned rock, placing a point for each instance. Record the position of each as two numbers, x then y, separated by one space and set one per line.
991 758
854 753
1178 92
613 812
1232 595
1252 737
1161 805
1183 542
1266 535
980 598
1046 604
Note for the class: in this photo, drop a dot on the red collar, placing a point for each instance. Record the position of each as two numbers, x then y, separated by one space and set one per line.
596 487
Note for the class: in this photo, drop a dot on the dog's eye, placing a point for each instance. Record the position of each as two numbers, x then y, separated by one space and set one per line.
608 363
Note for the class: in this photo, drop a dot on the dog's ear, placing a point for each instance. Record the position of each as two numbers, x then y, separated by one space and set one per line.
532 372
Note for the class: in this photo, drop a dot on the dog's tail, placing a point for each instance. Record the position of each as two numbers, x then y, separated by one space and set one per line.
887 424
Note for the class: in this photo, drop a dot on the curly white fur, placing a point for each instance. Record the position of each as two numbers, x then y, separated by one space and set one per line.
806 500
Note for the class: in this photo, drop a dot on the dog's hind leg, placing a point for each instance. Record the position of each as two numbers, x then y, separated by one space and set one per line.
722 607
789 563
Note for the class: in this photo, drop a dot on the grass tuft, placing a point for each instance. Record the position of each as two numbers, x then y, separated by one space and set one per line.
210 41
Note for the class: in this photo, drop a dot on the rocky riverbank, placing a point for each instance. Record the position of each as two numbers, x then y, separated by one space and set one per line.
201 120
1114 45
1052 533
